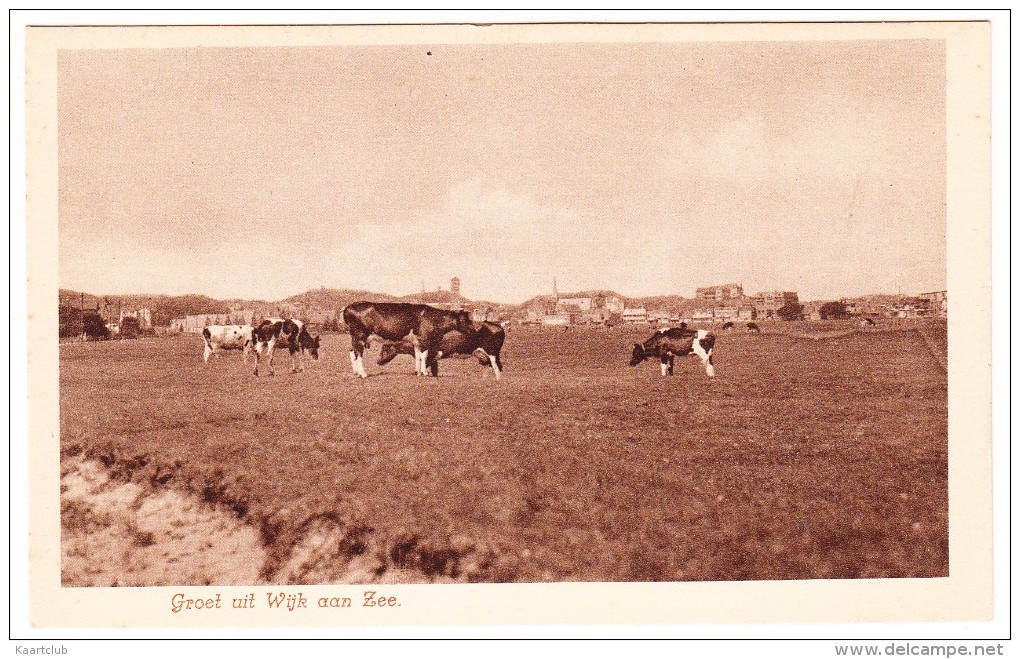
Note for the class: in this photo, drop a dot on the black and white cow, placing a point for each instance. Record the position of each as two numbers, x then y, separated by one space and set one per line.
291 332
727 325
867 322
485 343
667 344
227 337
753 328
421 324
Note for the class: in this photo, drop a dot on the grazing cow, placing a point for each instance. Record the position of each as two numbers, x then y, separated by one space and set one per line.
667 344
293 333
423 325
753 328
485 343
227 337
867 322
727 325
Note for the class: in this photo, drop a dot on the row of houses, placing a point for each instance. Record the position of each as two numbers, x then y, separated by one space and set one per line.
194 324
722 303
642 316
712 304
130 321
726 303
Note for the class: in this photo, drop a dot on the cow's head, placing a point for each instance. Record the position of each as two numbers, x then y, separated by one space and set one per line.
481 356
638 355
387 353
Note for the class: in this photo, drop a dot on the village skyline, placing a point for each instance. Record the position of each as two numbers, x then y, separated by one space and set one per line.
323 307
430 292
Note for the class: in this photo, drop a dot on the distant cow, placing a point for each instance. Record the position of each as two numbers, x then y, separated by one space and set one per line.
867 322
753 328
422 325
227 337
485 343
667 344
291 332
727 325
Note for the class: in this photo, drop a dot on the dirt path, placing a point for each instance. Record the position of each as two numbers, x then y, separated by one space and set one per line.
122 534
117 533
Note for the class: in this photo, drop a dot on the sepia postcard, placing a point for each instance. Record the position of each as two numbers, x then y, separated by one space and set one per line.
341 326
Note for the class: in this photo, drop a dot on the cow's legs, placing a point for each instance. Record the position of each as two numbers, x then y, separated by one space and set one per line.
494 360
420 356
664 365
431 362
434 366
672 358
709 368
417 359
358 355
208 351
271 351
258 353
430 356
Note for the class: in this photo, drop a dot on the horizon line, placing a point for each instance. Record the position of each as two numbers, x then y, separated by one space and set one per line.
464 297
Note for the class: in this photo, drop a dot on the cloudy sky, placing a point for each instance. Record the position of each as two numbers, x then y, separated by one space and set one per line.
643 168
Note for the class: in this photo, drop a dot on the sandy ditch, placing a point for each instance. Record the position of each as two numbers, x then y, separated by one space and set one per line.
125 533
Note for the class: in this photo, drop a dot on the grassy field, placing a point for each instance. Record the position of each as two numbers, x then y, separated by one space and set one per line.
801 459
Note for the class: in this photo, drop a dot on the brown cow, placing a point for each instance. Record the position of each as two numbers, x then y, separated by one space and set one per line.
423 325
485 343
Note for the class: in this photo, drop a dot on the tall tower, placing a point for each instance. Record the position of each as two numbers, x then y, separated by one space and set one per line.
455 286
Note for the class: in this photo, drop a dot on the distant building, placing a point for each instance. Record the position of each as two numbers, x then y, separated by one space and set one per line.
744 312
721 292
769 302
938 302
663 318
613 305
635 316
455 286
702 316
198 322
911 308
143 316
